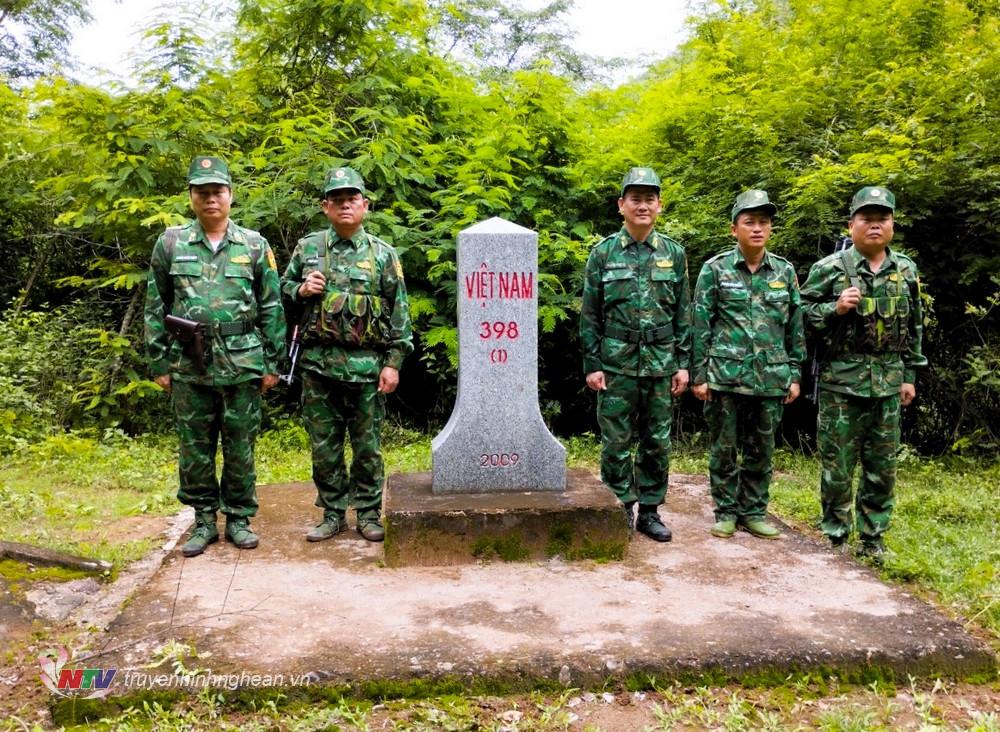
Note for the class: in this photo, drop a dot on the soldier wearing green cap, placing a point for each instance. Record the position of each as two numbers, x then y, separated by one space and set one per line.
634 331
747 343
220 280
356 333
864 304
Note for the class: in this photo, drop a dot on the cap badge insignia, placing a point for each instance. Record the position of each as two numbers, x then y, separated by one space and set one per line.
876 192
205 163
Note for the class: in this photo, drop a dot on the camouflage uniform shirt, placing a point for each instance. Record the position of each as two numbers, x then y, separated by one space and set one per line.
634 316
362 265
853 366
747 332
237 282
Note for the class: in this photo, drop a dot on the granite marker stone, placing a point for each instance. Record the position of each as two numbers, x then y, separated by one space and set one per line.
495 439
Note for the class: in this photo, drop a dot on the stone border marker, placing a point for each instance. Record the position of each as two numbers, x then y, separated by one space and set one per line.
496 440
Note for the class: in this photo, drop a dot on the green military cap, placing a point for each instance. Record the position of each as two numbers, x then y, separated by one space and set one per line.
208 169
873 196
753 199
641 177
339 178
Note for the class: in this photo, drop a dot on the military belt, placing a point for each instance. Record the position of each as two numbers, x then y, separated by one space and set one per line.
230 327
652 335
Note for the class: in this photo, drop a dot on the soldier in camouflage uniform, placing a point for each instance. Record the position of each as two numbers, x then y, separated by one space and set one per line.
864 303
634 331
747 347
224 277
356 333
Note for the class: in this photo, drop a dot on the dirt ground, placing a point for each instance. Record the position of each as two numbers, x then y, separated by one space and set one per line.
697 605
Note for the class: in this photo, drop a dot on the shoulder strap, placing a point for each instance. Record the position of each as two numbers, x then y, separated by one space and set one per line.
371 254
321 251
850 269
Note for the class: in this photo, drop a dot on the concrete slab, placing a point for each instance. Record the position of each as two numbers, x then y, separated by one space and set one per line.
331 610
423 528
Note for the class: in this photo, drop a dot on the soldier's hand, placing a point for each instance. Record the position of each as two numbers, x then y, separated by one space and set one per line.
679 382
907 393
848 300
163 381
595 380
268 382
793 393
702 392
388 380
313 284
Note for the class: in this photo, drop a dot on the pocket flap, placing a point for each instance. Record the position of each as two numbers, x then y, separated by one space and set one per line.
777 356
334 301
722 350
663 275
186 269
242 342
242 272
732 293
613 275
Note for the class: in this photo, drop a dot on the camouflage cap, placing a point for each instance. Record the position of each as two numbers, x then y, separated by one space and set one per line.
753 199
208 169
873 196
339 178
641 177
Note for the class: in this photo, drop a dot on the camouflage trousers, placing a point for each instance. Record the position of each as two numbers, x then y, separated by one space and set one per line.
332 410
204 414
850 428
635 410
741 424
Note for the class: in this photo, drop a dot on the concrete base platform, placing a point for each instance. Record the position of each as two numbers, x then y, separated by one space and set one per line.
332 613
426 529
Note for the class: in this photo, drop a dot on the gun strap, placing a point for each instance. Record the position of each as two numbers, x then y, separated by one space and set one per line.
849 268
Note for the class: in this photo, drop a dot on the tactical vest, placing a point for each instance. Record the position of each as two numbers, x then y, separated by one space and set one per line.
351 312
881 324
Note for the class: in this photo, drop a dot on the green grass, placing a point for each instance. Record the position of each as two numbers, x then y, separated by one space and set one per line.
799 705
944 535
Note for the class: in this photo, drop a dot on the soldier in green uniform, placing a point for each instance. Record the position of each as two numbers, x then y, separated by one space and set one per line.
864 303
634 331
747 345
221 279
356 333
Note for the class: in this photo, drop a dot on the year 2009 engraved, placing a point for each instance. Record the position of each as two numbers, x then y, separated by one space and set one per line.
498 459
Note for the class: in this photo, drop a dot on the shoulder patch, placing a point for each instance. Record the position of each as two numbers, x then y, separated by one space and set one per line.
399 269
270 259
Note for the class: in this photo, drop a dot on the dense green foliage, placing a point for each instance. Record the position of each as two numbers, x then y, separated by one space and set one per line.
808 99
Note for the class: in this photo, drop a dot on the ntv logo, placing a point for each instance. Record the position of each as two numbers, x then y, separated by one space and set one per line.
69 681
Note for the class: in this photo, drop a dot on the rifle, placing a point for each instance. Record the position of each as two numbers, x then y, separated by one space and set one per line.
294 348
191 335
816 365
